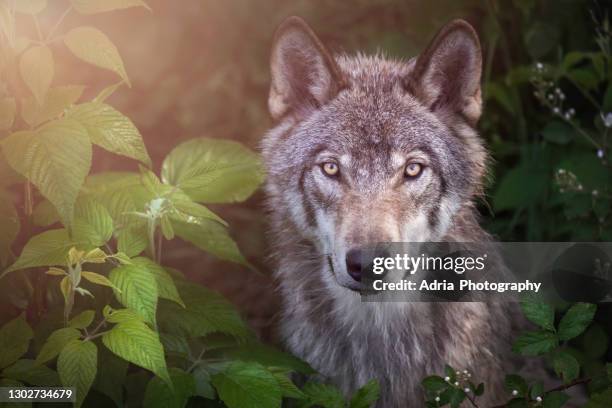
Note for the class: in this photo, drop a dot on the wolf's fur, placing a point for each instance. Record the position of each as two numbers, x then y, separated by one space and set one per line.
372 115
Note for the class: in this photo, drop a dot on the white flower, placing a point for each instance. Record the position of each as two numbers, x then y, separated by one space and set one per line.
539 399
556 110
607 119
600 153
456 383
572 111
437 399
595 193
551 97
514 392
539 66
447 379
466 390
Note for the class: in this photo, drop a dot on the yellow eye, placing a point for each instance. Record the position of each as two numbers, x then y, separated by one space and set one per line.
330 168
413 170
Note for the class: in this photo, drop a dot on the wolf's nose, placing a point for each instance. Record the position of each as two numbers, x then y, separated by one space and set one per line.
353 264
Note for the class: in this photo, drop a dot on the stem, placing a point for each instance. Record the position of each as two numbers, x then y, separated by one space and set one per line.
159 246
35 18
472 400
94 334
152 252
28 199
559 388
59 22
197 361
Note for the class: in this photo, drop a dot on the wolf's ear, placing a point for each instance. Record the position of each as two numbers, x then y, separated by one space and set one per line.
303 72
446 76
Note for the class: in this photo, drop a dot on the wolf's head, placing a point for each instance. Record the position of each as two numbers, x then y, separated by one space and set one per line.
369 150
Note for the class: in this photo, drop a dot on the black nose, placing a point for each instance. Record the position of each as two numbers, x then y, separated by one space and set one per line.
353 263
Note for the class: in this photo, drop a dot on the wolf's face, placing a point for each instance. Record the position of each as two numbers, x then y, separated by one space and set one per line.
368 150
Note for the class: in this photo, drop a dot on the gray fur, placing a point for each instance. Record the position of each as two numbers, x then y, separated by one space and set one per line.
371 114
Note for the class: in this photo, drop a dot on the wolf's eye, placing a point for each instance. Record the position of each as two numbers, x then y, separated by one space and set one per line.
330 168
413 170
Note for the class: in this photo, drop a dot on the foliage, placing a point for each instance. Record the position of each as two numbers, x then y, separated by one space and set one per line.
549 341
91 244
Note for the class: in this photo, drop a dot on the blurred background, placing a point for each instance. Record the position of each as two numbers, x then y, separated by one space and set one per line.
200 68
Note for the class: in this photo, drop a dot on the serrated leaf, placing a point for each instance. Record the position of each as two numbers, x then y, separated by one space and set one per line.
135 342
159 395
30 6
82 320
566 366
56 158
101 6
247 385
8 107
53 271
107 92
92 222
539 313
213 171
77 365
98 279
111 130
206 312
93 46
29 372
535 343
15 338
37 70
288 388
66 288
56 101
203 387
9 226
267 356
211 237
56 343
366 395
576 320
48 248
96 255
165 283
139 290
45 214
434 383
326 396
120 315
166 227
132 241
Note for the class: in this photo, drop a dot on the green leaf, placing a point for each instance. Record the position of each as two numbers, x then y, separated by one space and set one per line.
77 365
30 6
98 279
15 339
56 343
326 396
434 383
211 237
268 356
107 92
165 283
45 214
516 382
566 366
519 187
456 397
101 6
92 223
203 387
120 315
247 385
56 158
132 241
535 343
111 376
555 399
111 130
539 313
10 228
213 171
56 101
93 46
82 320
159 395
135 342
537 389
205 312
366 395
558 132
288 388
139 290
29 372
37 70
8 107
576 320
49 248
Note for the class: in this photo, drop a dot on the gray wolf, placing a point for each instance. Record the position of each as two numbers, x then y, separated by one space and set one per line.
367 149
